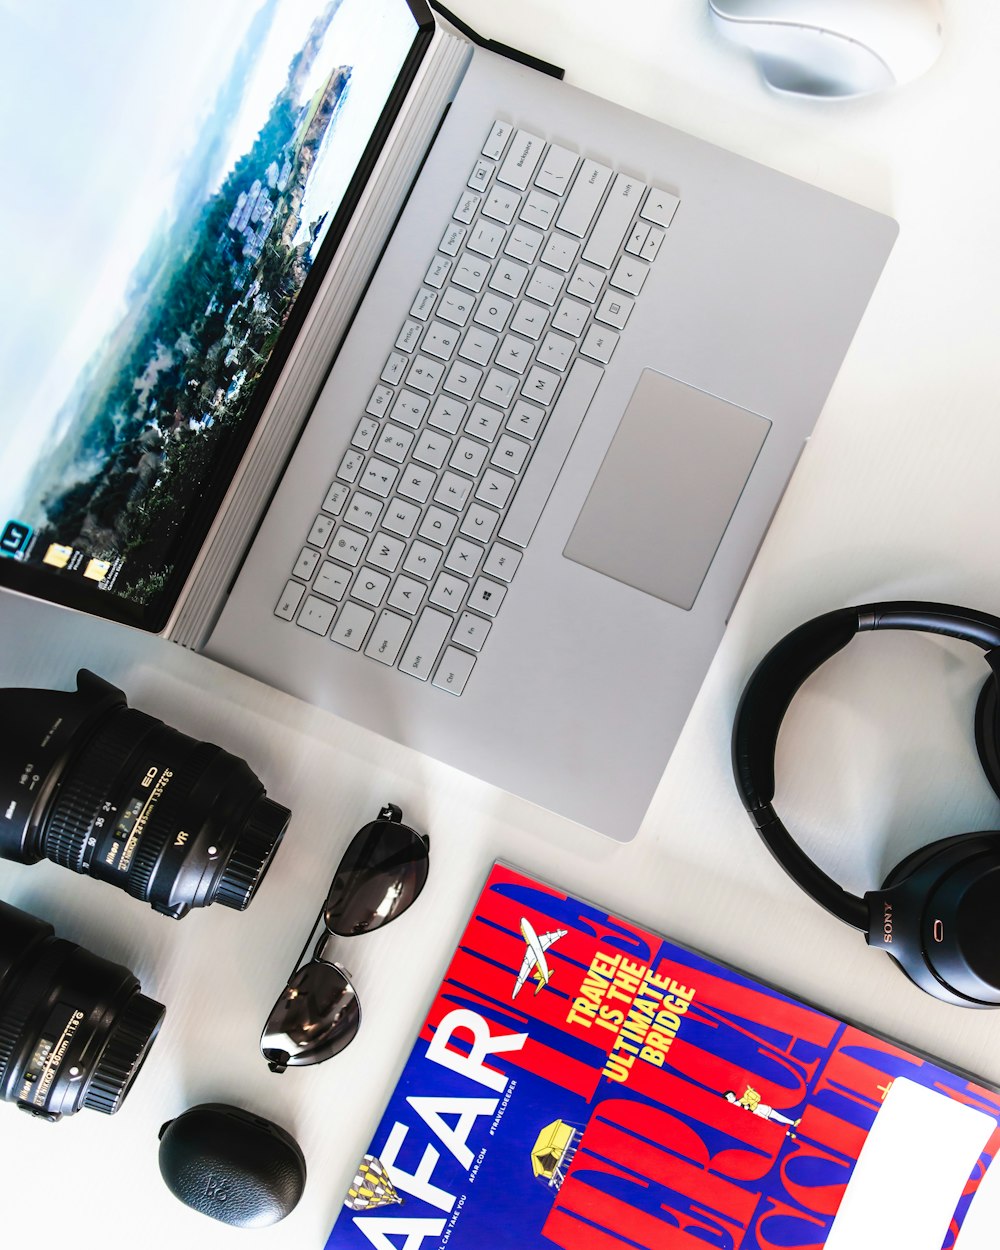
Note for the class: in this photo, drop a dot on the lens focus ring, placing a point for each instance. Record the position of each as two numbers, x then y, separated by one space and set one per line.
133 1034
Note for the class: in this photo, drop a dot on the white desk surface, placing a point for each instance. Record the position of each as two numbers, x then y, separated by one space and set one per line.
894 498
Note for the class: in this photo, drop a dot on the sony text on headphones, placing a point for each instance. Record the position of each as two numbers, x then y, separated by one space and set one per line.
938 911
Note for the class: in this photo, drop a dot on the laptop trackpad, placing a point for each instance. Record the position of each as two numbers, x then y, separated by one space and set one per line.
669 483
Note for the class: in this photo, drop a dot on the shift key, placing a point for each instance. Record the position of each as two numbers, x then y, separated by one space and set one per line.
613 224
425 643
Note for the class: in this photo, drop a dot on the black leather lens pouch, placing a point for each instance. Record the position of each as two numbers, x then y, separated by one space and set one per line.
232 1165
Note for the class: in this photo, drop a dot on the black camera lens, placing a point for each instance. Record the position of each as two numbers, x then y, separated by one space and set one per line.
74 1029
104 789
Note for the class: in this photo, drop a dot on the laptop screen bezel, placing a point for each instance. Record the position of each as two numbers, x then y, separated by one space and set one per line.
41 583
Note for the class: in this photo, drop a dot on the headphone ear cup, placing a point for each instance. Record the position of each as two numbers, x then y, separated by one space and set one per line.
988 732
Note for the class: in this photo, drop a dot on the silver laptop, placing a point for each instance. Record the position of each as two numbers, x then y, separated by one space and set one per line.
421 385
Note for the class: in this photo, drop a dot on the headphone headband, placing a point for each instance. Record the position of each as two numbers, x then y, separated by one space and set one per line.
771 689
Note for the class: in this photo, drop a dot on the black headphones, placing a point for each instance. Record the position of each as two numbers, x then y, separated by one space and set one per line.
938 912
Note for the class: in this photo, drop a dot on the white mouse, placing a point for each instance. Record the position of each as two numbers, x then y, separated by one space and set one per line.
834 48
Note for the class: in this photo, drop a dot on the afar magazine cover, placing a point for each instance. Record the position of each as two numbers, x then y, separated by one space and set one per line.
582 1083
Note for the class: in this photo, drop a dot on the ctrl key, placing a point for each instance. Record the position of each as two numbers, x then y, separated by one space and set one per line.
453 671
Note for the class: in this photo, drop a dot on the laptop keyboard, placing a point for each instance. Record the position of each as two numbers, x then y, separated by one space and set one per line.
416 543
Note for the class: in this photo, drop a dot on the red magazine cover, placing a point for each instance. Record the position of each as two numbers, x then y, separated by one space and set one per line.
582 1083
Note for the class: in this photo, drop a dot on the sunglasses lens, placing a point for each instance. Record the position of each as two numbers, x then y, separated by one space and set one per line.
381 874
316 1016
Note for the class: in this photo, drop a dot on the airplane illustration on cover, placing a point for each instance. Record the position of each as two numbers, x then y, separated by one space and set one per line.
534 958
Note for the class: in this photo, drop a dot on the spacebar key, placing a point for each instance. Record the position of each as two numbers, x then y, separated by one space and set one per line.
557 438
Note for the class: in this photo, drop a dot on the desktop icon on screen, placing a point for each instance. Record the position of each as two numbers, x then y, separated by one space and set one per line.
14 538
97 570
57 555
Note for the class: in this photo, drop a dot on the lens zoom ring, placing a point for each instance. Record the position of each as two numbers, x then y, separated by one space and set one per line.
167 817
131 1037
87 786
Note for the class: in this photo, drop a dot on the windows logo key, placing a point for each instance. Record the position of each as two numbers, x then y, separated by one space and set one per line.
14 538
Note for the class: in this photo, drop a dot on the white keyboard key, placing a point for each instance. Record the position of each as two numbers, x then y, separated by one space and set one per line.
469 457
455 306
409 336
463 557
613 223
425 374
348 545
501 204
363 511
437 272
394 368
514 354
508 277
416 482
522 157
496 140
478 345
423 305
387 638
502 561
525 418
316 615
370 586
470 272
479 522
379 402
581 203
540 385
448 592
571 317
394 442
432 448
401 517
407 594
599 343
350 466
524 244
493 311
629 275
440 339
659 207
289 601
332 581
586 282
652 244
510 453
486 239
437 525
539 209
335 497
386 552
409 408
364 435
481 174
352 625
557 169
447 414
453 490
499 388
466 207
614 309
540 475
305 565
453 671
462 380
487 596
556 351
452 240
379 477
320 531
484 422
545 286
472 631
422 560
560 252
495 488
425 643
529 320
637 238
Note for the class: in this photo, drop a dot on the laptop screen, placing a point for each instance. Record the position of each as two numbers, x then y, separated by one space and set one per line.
184 172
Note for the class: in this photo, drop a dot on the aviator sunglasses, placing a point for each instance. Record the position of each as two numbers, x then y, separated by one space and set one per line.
317 1013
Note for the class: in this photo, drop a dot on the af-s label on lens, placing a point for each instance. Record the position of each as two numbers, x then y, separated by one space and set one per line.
48 1055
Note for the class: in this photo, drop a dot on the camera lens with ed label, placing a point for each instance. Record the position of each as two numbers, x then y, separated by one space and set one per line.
106 790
